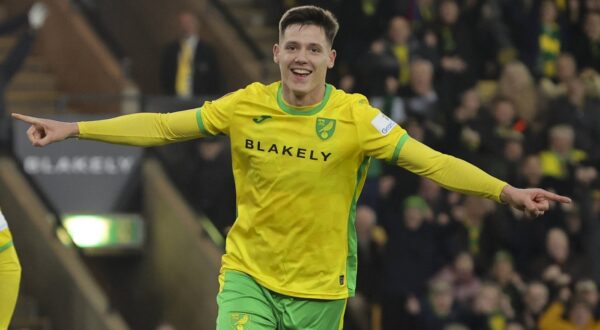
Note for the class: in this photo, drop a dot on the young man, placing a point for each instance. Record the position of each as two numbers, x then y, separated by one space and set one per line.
10 274
300 151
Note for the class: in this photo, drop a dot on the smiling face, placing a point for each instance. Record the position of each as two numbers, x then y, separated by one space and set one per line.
303 54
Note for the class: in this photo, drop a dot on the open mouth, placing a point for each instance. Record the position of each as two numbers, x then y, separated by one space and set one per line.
301 72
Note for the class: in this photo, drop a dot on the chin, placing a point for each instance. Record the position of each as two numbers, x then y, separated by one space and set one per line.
299 89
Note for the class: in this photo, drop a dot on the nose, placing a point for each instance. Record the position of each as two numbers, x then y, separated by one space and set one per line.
300 57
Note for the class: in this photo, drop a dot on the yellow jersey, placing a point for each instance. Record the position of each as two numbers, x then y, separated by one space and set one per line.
5 237
298 175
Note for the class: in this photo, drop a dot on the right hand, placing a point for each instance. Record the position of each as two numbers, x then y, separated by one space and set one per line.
45 131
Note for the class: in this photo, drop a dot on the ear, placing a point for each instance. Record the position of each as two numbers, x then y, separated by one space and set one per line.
331 61
276 53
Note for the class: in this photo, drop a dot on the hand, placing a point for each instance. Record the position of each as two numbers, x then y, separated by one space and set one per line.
533 201
45 131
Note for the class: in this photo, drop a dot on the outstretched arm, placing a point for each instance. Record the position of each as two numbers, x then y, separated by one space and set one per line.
459 175
141 129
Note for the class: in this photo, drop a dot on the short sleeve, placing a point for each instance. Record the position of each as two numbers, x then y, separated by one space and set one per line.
379 136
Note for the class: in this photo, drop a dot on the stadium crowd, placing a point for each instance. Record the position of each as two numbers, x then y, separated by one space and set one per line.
509 85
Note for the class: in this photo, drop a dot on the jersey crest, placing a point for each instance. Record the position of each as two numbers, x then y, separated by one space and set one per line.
325 128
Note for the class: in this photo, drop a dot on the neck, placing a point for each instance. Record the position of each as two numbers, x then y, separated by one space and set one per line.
303 99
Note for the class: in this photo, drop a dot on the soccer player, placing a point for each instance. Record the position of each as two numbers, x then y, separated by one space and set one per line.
10 274
300 150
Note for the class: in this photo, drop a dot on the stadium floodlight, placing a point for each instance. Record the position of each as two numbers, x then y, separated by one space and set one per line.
103 233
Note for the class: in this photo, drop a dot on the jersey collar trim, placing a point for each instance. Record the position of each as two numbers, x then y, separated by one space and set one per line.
303 111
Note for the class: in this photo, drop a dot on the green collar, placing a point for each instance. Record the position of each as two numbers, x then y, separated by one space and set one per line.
303 111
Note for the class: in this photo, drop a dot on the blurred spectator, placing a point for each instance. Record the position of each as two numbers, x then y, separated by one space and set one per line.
563 161
532 173
582 113
362 21
457 57
389 56
517 85
491 309
461 275
32 20
502 124
587 290
422 99
411 258
576 229
559 267
419 12
509 281
435 198
477 229
549 40
491 36
371 241
522 18
391 104
437 310
503 137
566 69
188 64
370 195
462 136
210 182
535 300
587 49
422 102
579 316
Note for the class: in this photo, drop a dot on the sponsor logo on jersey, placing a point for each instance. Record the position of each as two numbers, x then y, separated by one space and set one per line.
289 151
325 128
383 124
260 119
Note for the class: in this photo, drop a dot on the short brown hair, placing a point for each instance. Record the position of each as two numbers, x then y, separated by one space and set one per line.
310 15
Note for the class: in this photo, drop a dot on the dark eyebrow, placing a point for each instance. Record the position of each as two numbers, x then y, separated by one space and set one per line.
296 43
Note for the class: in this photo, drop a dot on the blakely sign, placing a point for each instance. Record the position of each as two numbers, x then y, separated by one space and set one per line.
79 175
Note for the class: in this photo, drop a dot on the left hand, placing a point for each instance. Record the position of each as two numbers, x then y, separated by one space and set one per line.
532 201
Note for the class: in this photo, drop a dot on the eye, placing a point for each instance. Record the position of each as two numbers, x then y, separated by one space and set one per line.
315 50
290 47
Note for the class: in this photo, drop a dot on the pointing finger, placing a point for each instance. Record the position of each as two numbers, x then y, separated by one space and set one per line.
554 197
27 119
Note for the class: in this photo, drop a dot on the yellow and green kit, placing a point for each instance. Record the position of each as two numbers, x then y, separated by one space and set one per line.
298 175
10 274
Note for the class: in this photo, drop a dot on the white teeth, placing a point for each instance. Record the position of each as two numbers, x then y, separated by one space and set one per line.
300 71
